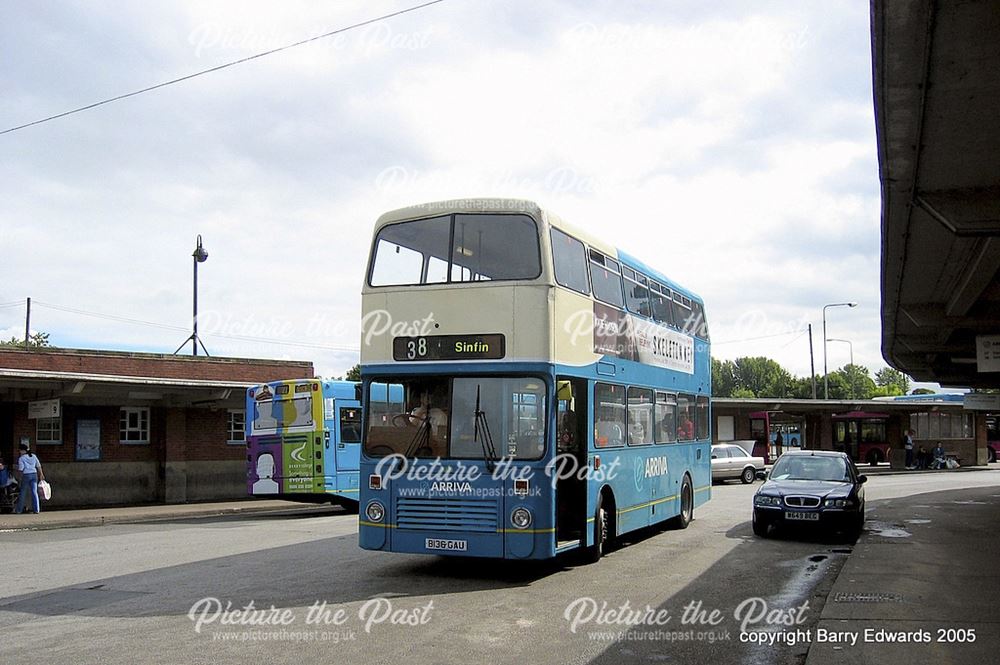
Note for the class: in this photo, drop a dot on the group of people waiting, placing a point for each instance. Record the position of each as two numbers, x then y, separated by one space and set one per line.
936 459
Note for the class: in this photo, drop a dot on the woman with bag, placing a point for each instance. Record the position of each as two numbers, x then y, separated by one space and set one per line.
31 473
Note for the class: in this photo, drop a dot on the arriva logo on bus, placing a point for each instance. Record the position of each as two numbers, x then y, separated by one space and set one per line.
656 466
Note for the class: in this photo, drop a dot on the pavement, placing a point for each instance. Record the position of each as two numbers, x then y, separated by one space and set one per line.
921 585
55 519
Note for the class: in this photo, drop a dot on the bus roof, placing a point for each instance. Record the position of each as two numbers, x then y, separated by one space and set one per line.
535 210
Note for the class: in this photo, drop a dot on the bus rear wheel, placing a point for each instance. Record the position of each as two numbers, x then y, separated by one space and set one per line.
687 505
874 457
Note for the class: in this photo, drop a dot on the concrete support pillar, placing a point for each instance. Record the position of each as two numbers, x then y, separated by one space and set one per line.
175 456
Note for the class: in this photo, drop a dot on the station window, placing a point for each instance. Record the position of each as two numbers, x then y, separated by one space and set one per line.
48 431
936 425
570 259
666 418
640 416
605 274
609 415
133 424
236 426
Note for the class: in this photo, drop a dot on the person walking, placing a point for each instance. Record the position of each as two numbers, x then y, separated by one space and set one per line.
908 447
30 469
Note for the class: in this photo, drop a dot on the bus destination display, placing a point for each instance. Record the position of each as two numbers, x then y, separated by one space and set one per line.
449 347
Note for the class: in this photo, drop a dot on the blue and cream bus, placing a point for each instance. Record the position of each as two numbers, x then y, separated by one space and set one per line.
303 440
555 390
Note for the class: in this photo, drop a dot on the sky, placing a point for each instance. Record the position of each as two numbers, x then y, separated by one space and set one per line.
731 145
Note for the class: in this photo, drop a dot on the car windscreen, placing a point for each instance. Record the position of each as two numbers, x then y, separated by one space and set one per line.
808 467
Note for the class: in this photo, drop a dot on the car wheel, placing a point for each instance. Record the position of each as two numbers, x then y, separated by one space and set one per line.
759 527
687 506
748 475
859 525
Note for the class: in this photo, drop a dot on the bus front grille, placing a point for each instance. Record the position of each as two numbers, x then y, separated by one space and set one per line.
446 514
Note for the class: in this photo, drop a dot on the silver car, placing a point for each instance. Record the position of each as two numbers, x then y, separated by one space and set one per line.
732 461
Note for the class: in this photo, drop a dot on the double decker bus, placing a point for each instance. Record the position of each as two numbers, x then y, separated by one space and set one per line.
303 439
555 390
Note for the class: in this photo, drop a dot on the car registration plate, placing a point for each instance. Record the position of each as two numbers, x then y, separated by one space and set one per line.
805 517
446 545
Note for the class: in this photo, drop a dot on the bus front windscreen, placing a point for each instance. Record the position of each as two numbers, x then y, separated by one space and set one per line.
460 418
456 248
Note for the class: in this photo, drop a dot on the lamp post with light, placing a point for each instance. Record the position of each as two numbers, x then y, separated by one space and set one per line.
200 256
826 381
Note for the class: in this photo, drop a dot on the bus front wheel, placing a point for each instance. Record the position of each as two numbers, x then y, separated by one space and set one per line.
600 545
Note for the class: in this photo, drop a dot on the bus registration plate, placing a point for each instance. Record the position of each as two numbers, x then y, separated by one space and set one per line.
448 545
806 517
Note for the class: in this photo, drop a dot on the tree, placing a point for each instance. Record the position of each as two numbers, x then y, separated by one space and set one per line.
895 381
852 382
923 391
353 374
35 341
839 386
762 377
723 378
802 387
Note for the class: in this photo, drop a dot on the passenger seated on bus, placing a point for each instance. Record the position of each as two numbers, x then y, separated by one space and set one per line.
608 433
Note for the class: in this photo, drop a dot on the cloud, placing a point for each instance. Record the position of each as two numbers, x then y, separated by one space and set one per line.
730 146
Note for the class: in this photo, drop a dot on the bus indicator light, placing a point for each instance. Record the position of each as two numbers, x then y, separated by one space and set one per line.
374 482
521 487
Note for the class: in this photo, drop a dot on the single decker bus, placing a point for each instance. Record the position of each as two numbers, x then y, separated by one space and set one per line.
303 440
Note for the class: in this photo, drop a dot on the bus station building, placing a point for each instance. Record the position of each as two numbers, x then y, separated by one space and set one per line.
114 427
827 424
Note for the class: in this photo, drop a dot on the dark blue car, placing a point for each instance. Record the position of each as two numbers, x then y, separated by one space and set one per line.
811 488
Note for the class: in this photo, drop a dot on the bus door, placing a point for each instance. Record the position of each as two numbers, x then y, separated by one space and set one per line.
348 438
571 441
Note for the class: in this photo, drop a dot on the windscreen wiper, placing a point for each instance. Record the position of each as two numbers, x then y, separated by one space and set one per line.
421 438
483 436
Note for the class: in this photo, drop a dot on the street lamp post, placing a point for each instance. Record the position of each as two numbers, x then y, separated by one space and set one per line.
826 381
851 349
200 256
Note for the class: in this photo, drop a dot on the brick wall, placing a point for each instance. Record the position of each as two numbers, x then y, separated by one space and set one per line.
205 434
153 365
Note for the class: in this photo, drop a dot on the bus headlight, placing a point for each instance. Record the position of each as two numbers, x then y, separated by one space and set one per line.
521 518
375 511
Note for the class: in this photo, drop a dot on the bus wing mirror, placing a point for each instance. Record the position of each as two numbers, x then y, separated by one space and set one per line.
564 391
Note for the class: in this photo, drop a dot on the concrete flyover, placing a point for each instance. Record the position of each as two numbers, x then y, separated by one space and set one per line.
936 67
